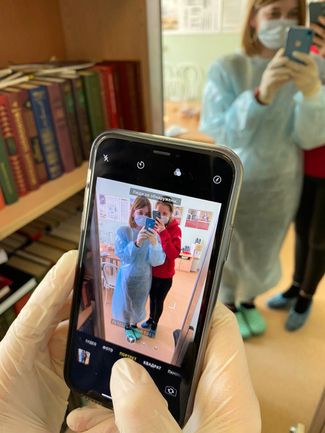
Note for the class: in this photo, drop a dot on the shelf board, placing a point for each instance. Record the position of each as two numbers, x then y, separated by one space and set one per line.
36 203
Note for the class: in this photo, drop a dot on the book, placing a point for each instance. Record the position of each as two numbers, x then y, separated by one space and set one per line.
45 128
60 123
20 283
22 142
36 259
3 256
32 134
2 200
92 89
110 100
19 305
35 269
60 243
81 114
31 231
11 148
6 319
7 182
45 251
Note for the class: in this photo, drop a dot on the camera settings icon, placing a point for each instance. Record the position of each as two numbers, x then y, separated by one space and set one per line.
171 391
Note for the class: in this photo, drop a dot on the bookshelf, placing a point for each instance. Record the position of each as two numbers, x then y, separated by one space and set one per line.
39 30
49 195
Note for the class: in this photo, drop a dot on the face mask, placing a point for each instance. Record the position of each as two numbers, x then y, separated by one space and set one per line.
164 220
272 33
140 220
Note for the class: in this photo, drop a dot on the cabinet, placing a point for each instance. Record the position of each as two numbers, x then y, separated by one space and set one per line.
38 30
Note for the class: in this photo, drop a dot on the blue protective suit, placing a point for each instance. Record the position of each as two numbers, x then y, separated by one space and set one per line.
268 140
133 280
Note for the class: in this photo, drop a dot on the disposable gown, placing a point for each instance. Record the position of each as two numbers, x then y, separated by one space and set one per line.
133 280
268 140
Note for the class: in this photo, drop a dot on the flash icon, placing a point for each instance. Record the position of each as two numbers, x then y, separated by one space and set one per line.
106 158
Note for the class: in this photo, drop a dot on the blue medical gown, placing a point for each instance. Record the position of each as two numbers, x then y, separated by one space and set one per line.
268 139
133 280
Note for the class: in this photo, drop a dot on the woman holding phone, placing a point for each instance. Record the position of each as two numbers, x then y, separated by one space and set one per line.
139 250
267 108
162 276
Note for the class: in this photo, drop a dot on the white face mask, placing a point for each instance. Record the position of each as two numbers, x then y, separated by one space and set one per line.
140 220
272 33
164 219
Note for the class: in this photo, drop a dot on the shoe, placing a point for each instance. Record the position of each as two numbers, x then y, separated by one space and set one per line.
137 333
152 333
130 335
255 321
279 302
244 329
146 325
296 320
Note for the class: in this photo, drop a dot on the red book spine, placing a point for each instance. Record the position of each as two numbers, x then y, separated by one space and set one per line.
107 72
14 158
18 306
2 200
22 142
33 136
61 126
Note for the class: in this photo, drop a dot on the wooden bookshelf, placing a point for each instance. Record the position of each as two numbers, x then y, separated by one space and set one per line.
39 30
49 195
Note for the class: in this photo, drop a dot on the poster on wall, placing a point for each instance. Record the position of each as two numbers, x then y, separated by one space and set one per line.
201 16
198 219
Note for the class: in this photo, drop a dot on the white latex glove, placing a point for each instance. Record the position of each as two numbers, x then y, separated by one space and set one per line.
306 76
33 394
225 400
274 77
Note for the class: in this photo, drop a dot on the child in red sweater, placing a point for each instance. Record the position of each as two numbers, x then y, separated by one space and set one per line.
162 276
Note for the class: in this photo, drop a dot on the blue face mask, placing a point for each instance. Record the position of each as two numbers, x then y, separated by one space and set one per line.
140 220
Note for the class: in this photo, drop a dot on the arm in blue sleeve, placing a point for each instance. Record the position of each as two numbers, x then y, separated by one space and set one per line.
125 248
309 120
229 118
156 254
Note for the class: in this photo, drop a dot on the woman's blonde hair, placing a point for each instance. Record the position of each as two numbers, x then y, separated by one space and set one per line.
139 203
249 41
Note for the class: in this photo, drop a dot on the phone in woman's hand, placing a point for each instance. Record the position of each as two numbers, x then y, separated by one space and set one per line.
298 39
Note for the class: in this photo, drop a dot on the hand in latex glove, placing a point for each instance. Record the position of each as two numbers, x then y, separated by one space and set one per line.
33 395
225 400
319 37
306 76
274 77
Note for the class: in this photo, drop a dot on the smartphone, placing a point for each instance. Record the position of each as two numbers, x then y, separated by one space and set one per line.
150 223
156 214
298 39
126 167
316 9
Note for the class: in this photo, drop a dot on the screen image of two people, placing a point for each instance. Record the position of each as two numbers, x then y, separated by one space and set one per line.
147 248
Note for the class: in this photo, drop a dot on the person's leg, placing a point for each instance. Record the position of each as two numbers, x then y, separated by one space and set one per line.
164 286
303 220
154 293
315 263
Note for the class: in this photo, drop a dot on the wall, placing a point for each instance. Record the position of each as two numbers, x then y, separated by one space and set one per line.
200 49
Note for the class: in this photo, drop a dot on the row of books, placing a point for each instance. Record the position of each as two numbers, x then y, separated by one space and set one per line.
27 255
50 115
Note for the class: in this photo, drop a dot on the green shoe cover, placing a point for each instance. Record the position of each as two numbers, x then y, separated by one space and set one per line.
137 333
244 329
254 319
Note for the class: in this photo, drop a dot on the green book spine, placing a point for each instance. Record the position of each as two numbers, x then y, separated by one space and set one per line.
6 177
72 121
91 83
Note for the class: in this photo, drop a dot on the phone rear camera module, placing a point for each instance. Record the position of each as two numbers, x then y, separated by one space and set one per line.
177 172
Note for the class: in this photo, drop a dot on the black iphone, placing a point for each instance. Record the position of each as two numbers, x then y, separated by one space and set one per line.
130 175
316 9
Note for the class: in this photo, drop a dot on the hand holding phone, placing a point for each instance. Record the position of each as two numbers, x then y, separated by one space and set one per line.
317 23
142 236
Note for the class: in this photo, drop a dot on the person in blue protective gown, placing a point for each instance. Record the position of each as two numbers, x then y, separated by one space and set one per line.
267 108
139 249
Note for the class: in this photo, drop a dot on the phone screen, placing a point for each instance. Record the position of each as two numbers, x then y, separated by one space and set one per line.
114 277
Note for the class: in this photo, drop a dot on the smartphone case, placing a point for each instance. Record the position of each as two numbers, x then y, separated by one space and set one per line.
298 39
150 223
315 11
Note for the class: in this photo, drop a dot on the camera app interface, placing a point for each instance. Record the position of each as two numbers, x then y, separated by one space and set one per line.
144 270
